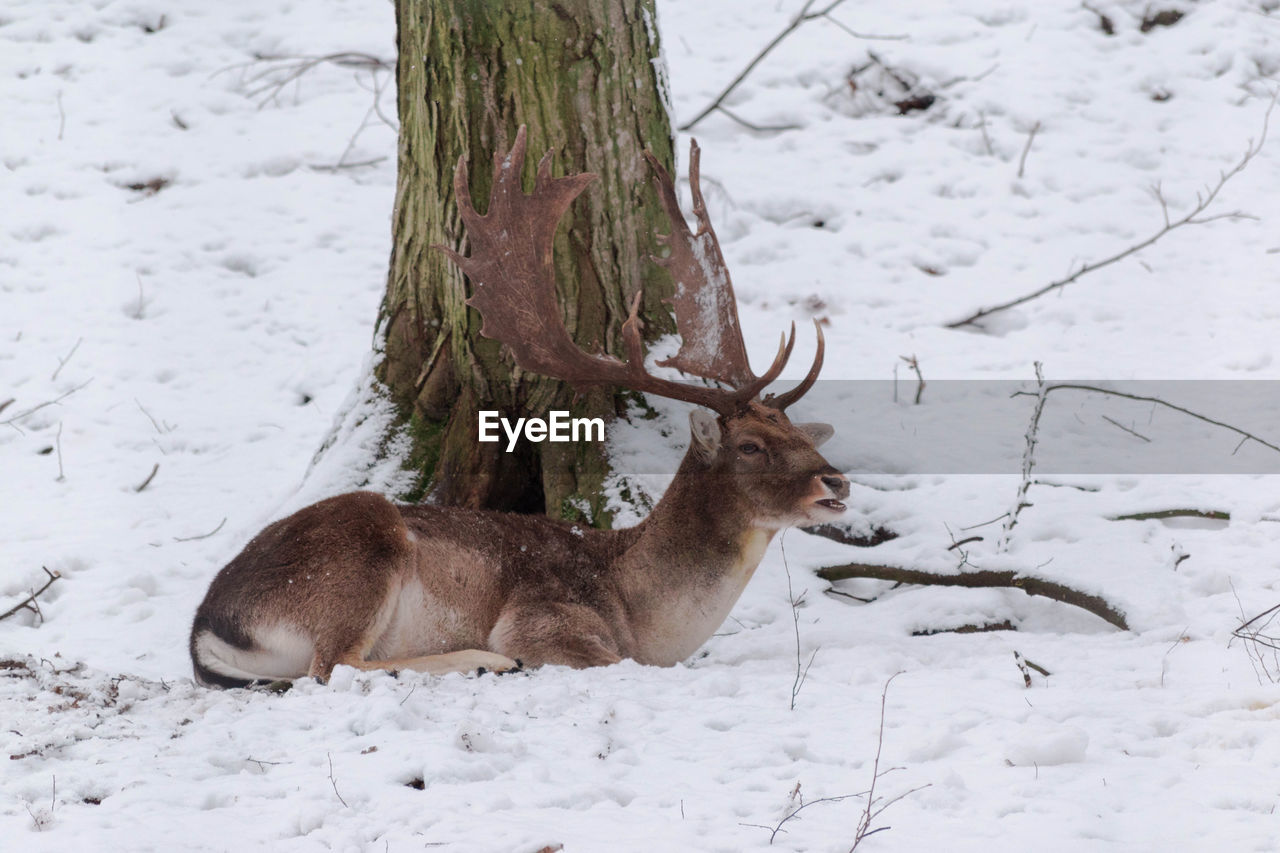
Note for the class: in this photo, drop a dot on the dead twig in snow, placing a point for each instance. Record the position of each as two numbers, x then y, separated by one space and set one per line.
802 17
202 535
1132 432
334 782
1204 200
1245 435
62 362
1028 461
150 477
801 673
23 415
30 603
1026 149
914 364
870 813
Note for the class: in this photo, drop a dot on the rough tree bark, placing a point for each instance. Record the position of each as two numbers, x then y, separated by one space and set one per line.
583 75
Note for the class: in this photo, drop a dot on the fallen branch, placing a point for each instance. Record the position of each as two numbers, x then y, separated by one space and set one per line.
980 579
29 603
1203 201
837 533
1215 514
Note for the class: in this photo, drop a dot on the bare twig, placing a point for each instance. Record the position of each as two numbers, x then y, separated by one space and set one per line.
1194 217
202 535
958 543
982 578
914 364
334 781
23 415
62 362
1028 461
150 477
6 404
1022 161
160 429
801 673
1245 435
29 603
986 139
802 17
1132 432
870 813
776 829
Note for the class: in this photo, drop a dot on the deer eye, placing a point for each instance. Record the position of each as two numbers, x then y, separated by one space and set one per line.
748 447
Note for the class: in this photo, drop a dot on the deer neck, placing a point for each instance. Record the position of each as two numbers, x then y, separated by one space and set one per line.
694 556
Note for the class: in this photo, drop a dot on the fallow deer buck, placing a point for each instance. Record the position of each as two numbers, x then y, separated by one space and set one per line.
362 581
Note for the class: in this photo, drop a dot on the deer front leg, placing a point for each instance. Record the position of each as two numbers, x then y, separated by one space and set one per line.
552 633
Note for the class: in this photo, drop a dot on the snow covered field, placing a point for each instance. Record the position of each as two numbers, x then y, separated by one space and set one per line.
188 283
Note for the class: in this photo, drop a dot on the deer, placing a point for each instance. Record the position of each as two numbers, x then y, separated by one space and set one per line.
365 582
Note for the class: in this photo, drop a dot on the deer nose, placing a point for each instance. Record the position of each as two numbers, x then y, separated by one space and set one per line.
837 483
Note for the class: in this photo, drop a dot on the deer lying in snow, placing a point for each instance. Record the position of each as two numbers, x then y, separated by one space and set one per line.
361 581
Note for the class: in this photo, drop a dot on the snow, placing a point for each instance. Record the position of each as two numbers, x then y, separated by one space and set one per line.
218 321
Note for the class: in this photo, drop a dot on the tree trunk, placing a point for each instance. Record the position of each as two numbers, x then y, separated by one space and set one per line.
583 75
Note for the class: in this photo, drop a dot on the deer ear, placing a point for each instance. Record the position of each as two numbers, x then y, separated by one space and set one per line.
818 433
706 433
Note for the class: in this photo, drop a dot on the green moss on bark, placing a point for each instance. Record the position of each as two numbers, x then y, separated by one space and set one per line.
581 75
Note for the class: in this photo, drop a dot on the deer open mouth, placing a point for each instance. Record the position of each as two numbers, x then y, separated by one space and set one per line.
831 504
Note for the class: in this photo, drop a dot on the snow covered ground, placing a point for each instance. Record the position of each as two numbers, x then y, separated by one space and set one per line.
187 283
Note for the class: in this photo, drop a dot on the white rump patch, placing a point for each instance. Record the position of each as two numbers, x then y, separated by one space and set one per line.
281 652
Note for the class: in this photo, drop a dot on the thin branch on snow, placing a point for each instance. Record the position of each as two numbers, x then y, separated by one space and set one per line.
30 602
202 535
1245 435
150 477
1194 217
869 815
801 673
334 782
62 362
23 415
914 364
1031 137
1028 461
802 17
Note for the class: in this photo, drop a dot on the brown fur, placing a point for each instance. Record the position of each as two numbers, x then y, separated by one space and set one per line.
358 580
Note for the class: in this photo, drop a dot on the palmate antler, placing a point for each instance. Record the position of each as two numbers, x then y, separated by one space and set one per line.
511 270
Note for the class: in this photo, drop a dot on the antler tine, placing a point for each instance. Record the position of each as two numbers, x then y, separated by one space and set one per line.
781 401
753 388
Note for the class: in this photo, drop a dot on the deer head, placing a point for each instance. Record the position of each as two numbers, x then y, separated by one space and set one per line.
748 447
